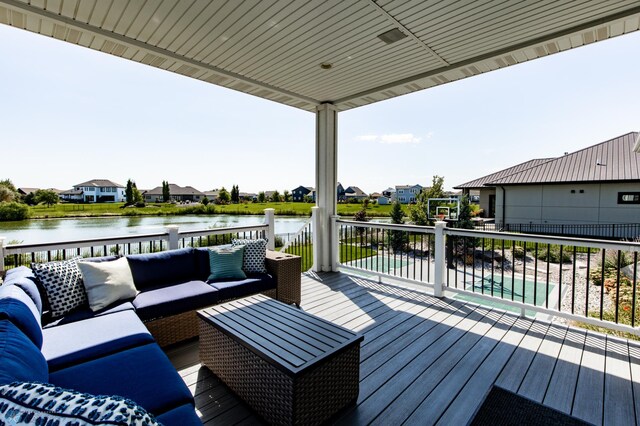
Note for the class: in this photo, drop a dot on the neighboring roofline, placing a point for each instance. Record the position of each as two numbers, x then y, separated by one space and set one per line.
487 184
572 182
498 182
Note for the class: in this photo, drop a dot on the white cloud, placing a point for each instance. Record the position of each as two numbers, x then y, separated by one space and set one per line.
400 138
395 138
367 138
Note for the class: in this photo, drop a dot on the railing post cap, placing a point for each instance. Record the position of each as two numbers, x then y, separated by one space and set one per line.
270 209
172 227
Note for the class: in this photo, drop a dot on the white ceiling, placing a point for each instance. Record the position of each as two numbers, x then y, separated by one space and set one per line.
274 48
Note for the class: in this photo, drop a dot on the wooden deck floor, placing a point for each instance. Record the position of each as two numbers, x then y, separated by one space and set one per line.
431 361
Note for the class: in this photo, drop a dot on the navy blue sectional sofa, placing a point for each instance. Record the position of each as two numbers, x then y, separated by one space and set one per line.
116 351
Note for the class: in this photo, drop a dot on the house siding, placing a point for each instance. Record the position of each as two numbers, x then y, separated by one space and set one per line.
556 204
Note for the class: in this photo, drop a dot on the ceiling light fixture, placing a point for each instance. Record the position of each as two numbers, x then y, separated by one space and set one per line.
392 36
326 66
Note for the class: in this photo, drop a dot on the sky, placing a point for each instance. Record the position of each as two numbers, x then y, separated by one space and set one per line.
69 114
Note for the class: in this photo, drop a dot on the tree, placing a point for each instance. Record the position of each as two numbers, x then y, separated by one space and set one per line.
166 193
6 194
275 197
8 184
205 201
235 194
13 211
307 199
397 239
128 193
262 197
361 216
287 196
30 199
223 196
455 244
138 199
420 211
46 196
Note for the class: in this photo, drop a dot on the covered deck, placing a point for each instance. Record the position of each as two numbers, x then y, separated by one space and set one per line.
426 360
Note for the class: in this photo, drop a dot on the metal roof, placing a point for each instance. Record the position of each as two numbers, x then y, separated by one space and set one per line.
99 183
274 49
480 182
610 161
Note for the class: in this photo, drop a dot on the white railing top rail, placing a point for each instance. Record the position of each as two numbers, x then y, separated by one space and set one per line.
222 231
12 249
93 242
389 226
295 237
546 239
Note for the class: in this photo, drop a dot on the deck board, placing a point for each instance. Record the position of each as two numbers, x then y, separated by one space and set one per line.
432 361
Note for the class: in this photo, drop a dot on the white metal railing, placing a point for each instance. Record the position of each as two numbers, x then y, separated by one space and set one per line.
13 255
581 280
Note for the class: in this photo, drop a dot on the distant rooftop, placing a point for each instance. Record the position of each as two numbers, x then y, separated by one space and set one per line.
99 183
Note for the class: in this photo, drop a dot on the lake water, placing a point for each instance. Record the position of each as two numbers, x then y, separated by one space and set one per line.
53 230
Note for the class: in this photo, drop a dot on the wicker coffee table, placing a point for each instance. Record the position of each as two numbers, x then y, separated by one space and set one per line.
291 367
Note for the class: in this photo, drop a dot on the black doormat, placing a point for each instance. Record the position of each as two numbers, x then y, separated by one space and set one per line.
502 407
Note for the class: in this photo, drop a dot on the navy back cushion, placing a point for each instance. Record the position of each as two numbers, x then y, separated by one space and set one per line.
164 268
21 359
17 307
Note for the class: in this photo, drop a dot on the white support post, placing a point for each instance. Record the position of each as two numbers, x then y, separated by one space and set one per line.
326 185
172 230
439 258
315 235
269 219
335 247
2 240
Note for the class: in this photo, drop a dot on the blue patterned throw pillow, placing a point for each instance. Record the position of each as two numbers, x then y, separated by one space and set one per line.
46 404
226 263
63 283
255 252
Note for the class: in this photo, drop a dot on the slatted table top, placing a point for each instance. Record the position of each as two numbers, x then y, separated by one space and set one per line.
287 337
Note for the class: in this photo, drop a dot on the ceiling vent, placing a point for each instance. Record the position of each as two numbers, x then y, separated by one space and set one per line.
392 36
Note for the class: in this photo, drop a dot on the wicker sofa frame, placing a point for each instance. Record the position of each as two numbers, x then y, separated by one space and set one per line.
286 270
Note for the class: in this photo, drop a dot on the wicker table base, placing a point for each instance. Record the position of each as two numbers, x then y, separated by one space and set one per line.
241 342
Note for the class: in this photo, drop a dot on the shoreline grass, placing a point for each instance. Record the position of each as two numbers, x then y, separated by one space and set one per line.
68 210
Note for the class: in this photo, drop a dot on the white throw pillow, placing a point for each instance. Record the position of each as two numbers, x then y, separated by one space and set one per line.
107 282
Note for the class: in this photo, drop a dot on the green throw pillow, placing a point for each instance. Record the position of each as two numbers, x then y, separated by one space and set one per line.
226 263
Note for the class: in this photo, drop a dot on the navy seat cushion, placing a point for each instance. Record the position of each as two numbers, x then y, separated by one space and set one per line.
18 272
84 312
184 415
17 307
174 299
143 374
29 286
20 359
233 289
163 268
93 338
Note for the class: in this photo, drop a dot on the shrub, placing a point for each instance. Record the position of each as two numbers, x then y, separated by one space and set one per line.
518 252
13 211
140 204
611 259
553 255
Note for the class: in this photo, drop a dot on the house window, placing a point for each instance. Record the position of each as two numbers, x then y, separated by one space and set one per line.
628 197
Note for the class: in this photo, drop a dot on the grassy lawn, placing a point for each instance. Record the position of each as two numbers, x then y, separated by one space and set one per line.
346 253
116 209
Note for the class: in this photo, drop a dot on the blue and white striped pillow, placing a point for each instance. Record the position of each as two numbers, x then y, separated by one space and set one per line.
226 263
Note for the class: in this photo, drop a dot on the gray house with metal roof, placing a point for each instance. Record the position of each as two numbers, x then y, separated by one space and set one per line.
596 185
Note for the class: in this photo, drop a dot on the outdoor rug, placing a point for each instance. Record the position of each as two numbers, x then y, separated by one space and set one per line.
502 407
